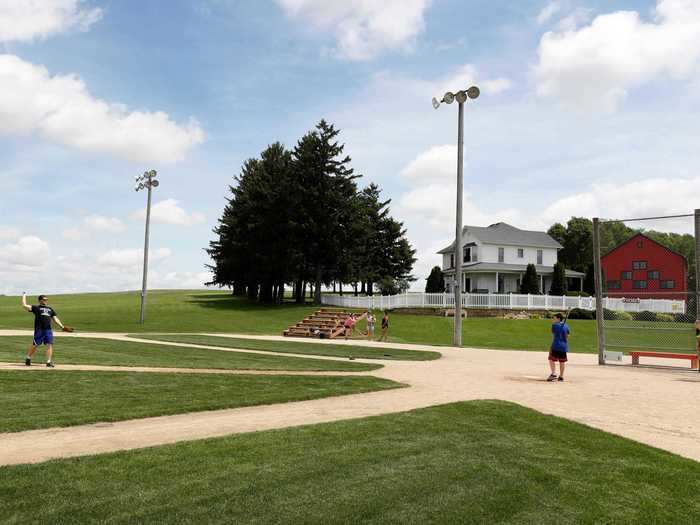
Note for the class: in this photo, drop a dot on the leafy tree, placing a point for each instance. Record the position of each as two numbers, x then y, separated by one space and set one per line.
530 283
559 285
589 280
436 281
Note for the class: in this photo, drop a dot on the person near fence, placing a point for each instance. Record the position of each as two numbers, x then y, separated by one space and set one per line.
385 326
370 325
559 347
697 334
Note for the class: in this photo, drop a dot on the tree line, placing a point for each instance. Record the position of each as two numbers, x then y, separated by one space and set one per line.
297 217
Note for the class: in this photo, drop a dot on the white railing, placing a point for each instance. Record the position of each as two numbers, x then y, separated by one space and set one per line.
501 301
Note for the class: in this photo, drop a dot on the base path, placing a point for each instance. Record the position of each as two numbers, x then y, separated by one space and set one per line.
653 406
163 370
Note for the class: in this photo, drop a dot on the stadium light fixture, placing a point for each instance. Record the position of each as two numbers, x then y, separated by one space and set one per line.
147 180
448 98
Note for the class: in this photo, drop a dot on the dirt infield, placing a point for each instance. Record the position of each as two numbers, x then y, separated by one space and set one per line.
653 406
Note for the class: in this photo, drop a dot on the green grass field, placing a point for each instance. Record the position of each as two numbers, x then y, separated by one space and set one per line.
42 400
125 353
166 311
475 462
296 347
211 311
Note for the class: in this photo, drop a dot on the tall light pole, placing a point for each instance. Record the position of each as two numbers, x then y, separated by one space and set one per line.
461 97
146 181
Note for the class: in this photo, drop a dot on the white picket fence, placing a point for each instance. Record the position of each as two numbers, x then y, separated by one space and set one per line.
501 301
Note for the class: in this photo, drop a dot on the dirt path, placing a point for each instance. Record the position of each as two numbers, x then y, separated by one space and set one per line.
653 406
164 370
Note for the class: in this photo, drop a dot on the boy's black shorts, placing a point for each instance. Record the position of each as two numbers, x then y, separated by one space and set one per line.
556 355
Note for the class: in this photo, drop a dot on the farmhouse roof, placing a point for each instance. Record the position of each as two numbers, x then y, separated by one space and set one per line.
502 233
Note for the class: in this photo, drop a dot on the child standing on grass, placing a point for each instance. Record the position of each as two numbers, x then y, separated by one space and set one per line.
370 325
385 326
559 347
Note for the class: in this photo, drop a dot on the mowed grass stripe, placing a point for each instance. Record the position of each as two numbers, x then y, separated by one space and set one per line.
85 351
473 462
168 311
59 399
296 347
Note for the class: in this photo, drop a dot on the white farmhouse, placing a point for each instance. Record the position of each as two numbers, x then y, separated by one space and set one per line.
494 259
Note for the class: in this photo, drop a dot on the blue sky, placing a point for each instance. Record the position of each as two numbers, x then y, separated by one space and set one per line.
587 108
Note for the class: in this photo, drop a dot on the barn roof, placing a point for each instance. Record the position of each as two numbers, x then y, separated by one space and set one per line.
624 243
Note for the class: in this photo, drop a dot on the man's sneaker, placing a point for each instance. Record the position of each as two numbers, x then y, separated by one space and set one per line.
552 377
27 361
50 365
561 378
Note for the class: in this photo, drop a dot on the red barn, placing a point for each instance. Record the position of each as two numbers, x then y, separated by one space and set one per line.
641 267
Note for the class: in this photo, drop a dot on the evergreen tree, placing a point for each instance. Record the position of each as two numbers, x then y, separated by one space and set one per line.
298 218
530 283
325 211
436 281
559 284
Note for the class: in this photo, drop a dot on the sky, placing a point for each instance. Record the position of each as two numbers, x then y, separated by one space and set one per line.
587 108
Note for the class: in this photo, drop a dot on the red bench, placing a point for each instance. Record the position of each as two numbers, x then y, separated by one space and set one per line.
693 357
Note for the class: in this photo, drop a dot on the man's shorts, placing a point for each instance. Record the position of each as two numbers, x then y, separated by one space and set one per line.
43 337
557 355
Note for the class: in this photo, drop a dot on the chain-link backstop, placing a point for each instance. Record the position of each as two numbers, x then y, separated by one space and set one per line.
646 280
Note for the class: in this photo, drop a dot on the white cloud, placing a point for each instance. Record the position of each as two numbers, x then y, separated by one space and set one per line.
363 28
428 207
27 252
61 109
652 197
116 270
169 211
596 65
438 164
94 224
548 11
26 20
180 280
8 233
466 75
131 259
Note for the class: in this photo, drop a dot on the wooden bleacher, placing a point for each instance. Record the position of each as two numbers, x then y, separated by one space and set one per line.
326 323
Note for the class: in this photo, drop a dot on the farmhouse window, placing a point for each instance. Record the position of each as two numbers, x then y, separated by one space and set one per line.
521 253
452 260
639 285
501 254
639 265
626 275
668 285
469 254
653 274
613 285
539 256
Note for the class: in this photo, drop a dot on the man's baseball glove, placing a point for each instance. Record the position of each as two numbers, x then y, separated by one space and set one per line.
68 329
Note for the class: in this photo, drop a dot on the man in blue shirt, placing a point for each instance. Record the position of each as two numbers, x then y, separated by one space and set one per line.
559 348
